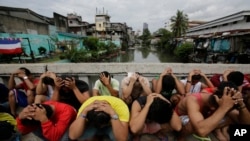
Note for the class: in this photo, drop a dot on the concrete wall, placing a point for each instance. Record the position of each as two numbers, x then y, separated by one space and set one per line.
121 68
17 25
36 41
89 71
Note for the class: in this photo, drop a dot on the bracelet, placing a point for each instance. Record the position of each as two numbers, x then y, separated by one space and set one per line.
241 107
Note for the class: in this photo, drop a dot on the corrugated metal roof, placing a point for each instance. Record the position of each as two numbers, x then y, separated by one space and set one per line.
224 20
23 14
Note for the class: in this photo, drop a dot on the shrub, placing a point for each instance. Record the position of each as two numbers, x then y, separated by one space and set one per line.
183 51
42 50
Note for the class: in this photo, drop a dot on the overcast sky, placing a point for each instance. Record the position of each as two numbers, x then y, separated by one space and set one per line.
134 12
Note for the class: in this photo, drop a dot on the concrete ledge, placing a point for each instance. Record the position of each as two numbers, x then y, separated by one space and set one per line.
121 68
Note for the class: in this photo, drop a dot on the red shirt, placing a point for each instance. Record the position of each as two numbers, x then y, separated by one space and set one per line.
25 87
57 125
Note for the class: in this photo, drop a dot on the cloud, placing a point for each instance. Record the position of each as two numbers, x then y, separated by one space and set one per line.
135 12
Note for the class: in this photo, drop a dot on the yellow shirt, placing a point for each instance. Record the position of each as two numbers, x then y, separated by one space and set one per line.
119 106
9 118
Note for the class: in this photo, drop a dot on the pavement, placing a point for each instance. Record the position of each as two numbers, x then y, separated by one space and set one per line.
32 137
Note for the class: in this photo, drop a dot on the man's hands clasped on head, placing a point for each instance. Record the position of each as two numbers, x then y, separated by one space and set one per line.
99 105
104 79
34 111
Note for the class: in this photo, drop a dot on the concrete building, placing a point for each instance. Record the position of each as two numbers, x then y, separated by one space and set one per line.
25 21
105 30
228 37
234 24
76 25
20 20
145 26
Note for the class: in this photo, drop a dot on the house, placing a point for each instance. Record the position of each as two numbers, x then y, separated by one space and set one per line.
76 25
25 21
228 38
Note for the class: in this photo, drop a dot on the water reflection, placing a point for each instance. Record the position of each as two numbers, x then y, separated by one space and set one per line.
144 55
138 55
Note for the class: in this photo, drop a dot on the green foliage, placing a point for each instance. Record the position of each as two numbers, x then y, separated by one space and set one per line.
165 40
184 51
124 46
110 47
91 43
77 55
145 37
93 50
179 24
42 50
101 46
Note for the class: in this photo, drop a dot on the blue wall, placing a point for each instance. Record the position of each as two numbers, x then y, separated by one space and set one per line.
36 41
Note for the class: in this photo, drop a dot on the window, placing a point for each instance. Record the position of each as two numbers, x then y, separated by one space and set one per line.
247 19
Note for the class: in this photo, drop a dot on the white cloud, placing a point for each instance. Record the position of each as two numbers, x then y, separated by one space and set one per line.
135 12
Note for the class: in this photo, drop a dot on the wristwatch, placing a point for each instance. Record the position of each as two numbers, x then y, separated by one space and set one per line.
25 77
115 117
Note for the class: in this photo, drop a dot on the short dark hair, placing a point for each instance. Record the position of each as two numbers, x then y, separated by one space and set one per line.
82 85
196 77
48 81
168 83
236 77
106 73
26 71
223 84
98 118
32 122
160 111
219 92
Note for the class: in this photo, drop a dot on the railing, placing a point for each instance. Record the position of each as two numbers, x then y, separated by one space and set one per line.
121 68
89 71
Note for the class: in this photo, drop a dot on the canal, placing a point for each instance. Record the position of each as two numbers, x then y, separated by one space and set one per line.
138 55
144 55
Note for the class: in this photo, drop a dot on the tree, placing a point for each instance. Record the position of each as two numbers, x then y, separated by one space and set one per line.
91 43
165 39
184 51
145 37
179 24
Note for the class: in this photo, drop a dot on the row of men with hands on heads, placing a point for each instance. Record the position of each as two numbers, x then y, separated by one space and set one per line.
47 90
141 108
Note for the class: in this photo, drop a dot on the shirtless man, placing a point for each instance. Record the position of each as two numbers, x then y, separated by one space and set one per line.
202 113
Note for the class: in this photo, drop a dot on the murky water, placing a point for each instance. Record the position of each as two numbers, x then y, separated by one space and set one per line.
140 55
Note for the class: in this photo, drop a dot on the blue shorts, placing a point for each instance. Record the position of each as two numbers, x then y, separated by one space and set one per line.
21 98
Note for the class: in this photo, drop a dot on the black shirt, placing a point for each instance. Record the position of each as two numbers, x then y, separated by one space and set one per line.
70 98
